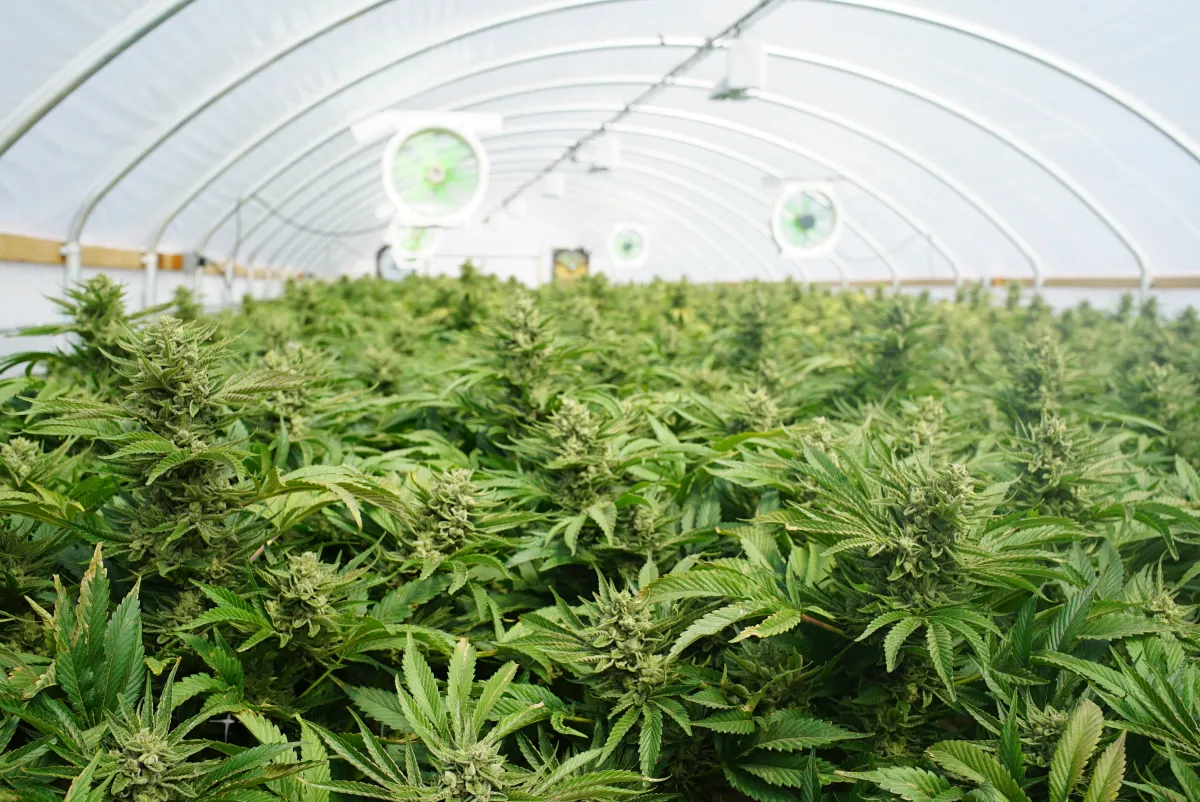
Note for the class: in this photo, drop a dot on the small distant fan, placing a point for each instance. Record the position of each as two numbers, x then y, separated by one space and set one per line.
387 268
628 245
806 220
412 243
435 176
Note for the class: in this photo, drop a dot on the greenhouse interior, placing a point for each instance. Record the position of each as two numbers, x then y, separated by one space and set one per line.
599 400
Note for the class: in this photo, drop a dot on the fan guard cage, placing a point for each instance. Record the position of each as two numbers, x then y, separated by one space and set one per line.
628 245
806 220
435 175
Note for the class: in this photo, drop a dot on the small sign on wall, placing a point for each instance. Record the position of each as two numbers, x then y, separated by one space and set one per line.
570 264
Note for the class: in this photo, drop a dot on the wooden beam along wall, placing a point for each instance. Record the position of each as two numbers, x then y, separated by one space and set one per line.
39 251
35 250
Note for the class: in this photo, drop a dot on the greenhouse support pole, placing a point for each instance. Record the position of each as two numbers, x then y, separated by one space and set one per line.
1144 286
73 263
228 282
150 265
844 280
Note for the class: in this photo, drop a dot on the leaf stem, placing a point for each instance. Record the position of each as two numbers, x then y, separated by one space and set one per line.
808 619
317 682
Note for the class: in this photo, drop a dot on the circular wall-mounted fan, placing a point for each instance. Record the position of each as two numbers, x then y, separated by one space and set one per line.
806 220
628 245
412 243
435 176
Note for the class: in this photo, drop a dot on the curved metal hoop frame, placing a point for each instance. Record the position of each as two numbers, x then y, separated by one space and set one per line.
938 173
717 122
976 120
120 38
758 224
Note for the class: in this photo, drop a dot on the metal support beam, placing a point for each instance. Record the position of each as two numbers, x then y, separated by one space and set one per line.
150 278
944 177
217 172
756 12
370 170
700 214
900 210
127 166
87 63
357 189
617 210
1047 59
696 232
72 264
693 190
480 70
969 117
717 122
993 130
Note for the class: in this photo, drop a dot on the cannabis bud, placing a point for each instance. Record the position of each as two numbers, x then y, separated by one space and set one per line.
622 631
471 774
932 520
446 510
754 411
307 595
576 433
143 759
21 459
926 424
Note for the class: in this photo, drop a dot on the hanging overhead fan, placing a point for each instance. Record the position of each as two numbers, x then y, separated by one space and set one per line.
435 175
628 245
806 220
412 243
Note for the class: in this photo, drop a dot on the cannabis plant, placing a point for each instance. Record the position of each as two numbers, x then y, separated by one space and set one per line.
1002 774
463 740
456 539
91 712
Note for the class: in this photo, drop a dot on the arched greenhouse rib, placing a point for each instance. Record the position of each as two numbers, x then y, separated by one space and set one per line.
599 401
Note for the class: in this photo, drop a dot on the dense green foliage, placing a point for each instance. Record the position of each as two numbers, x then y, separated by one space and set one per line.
453 540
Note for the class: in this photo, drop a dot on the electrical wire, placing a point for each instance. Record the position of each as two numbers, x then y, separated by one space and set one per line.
735 28
316 232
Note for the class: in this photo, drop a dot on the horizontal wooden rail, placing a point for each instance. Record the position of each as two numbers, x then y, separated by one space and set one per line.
36 250
40 251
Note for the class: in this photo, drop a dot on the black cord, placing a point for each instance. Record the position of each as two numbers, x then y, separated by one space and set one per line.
316 232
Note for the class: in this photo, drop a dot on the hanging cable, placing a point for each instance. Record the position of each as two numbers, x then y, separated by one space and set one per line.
734 28
316 232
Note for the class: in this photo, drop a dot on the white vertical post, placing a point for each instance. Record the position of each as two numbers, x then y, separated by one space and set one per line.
198 280
73 262
150 267
230 295
799 266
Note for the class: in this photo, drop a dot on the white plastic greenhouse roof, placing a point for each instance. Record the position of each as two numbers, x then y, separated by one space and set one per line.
976 138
